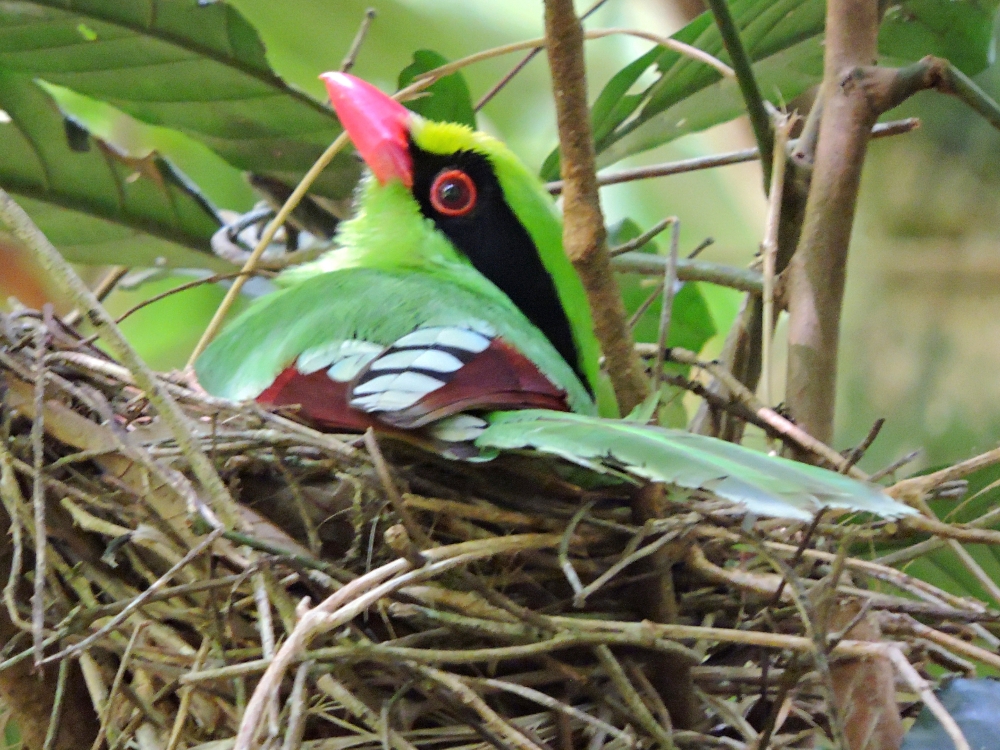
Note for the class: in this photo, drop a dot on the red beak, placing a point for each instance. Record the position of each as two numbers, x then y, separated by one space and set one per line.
378 125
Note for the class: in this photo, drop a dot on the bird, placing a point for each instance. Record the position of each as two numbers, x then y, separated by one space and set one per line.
448 313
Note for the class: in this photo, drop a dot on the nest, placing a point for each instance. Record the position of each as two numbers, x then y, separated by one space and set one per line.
356 593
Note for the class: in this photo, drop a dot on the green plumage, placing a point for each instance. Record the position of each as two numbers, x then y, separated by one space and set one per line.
373 305
395 272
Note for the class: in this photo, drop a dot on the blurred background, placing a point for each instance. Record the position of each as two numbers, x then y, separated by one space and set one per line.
921 332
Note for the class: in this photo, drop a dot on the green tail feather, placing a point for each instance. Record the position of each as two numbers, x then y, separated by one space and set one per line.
765 485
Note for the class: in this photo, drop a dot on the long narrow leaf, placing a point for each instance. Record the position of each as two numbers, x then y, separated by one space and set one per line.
766 485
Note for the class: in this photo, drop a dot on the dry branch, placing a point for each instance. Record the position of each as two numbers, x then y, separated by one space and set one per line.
399 636
584 238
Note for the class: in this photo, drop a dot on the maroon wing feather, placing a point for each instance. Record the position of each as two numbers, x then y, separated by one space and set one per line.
499 377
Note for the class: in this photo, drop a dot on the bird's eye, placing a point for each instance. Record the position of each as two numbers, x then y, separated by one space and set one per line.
453 193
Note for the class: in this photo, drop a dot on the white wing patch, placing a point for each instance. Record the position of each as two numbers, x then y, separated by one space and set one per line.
433 360
416 365
452 338
345 359
458 428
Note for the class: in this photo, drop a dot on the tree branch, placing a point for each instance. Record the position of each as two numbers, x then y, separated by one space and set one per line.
854 94
584 238
817 270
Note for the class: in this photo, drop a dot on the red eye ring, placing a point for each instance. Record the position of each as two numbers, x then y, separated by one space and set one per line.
453 193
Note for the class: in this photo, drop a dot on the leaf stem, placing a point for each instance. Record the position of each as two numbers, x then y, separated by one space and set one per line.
760 121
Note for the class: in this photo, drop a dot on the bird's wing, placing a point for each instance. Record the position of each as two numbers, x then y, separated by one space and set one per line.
360 345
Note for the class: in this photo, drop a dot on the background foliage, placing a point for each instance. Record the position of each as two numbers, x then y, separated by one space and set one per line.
236 89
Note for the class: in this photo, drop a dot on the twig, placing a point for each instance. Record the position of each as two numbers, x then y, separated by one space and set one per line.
563 550
55 717
392 492
730 714
138 601
643 238
632 699
496 654
882 130
101 291
742 279
759 119
298 703
899 463
644 306
339 692
793 563
686 50
499 85
857 452
700 247
922 485
583 222
181 288
13 502
629 559
694 164
667 307
493 722
638 676
912 677
769 247
359 38
109 704
551 703
356 596
265 626
186 693
63 274
777 422
906 625
38 500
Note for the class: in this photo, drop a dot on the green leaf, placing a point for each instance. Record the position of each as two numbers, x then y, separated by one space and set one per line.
193 66
784 40
447 100
612 106
767 28
94 203
782 76
766 485
960 31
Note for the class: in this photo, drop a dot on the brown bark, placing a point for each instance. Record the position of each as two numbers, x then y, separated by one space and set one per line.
656 601
865 689
817 270
584 237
